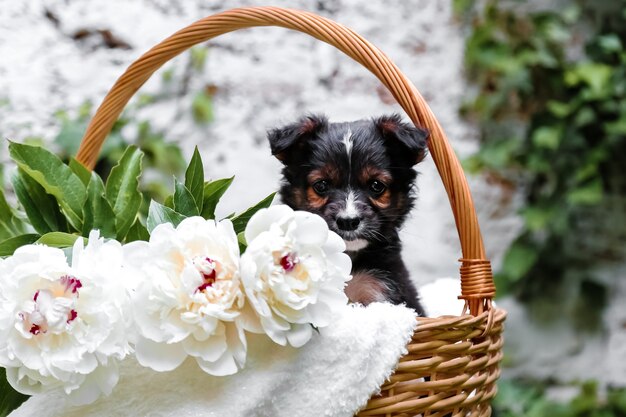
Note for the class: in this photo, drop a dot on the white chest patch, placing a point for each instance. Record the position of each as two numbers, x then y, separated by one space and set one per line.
355 245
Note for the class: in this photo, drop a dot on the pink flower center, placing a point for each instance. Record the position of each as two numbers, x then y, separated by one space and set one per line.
43 316
207 268
72 316
288 262
71 283
35 329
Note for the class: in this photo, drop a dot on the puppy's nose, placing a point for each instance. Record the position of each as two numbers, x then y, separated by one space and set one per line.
348 223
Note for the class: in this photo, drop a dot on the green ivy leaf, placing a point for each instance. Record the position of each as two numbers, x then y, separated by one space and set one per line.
194 178
41 208
9 398
547 137
202 108
610 42
8 246
158 213
213 191
184 203
98 213
122 190
59 239
588 194
240 221
137 232
54 176
81 172
518 260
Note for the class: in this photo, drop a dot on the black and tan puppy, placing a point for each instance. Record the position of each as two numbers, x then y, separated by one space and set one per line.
358 176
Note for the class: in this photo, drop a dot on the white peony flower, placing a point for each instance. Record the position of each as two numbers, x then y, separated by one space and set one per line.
188 299
63 326
294 272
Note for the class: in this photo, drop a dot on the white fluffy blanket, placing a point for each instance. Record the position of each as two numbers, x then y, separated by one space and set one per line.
333 375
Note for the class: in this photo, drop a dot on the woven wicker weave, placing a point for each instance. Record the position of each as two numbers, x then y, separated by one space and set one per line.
452 362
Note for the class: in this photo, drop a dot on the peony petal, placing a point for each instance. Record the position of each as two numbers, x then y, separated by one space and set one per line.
342 262
237 343
311 229
334 243
101 381
225 365
209 350
161 357
299 334
249 321
264 218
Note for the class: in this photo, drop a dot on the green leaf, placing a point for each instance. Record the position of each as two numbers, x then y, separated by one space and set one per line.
10 224
137 232
241 239
122 190
547 137
79 169
59 239
610 43
537 218
169 201
184 203
518 260
9 398
198 57
213 191
158 213
558 108
202 108
194 178
55 177
8 246
588 194
41 208
240 221
98 213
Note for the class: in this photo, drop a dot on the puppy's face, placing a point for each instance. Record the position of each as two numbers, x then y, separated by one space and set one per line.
358 176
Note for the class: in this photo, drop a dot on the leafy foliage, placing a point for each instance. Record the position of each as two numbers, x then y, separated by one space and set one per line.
9 399
517 399
550 104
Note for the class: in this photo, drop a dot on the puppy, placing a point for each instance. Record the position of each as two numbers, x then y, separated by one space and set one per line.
359 177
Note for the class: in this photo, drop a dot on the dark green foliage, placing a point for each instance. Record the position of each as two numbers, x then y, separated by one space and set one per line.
551 108
517 399
9 399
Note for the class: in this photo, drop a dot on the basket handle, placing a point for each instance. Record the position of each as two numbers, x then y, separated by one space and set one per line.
477 287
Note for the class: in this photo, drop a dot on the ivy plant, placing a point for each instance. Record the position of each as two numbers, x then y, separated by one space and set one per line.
550 106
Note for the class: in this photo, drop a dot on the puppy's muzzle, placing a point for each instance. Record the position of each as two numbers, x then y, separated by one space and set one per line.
348 224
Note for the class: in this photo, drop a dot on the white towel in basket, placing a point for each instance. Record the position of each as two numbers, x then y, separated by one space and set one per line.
333 375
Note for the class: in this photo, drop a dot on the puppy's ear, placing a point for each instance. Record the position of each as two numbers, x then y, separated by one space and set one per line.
411 140
286 140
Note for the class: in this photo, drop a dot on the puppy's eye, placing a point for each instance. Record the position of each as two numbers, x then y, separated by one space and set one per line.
377 187
321 187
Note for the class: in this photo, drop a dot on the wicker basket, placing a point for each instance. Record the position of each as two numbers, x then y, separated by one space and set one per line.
452 362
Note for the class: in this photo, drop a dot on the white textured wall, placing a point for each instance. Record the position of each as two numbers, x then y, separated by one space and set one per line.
265 77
